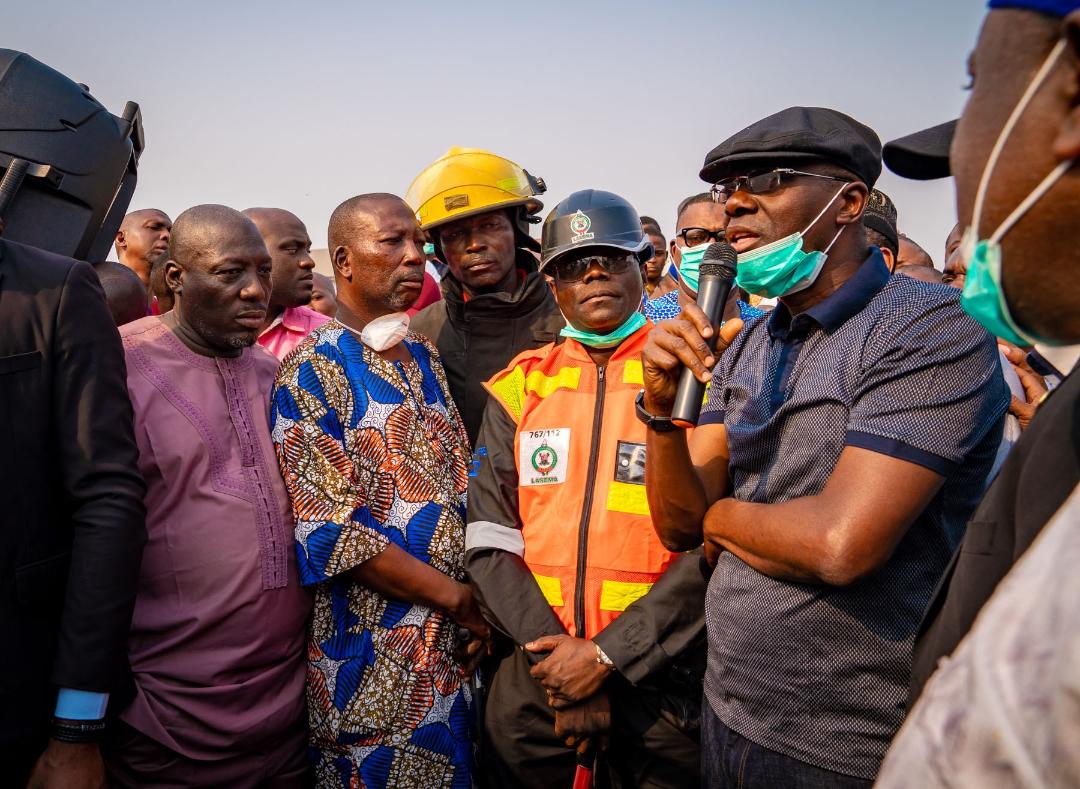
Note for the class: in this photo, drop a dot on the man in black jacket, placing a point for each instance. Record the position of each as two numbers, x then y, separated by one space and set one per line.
1026 52
73 528
477 207
72 525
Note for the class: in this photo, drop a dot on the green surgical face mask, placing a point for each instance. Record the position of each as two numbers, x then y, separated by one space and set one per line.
593 340
690 264
783 266
429 249
983 297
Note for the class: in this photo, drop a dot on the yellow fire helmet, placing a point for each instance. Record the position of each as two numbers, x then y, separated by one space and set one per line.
468 181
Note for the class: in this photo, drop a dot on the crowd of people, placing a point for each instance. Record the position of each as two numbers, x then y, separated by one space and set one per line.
431 523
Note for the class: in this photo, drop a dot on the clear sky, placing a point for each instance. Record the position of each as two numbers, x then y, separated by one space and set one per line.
304 104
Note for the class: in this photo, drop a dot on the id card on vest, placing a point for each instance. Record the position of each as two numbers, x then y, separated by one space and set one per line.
543 456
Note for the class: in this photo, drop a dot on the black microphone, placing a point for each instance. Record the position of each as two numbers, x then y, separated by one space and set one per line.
714 284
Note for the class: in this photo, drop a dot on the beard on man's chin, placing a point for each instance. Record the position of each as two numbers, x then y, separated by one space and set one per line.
400 301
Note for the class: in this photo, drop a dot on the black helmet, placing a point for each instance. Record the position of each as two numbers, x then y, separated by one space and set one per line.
591 218
68 166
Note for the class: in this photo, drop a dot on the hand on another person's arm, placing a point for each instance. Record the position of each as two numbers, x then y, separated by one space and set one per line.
571 672
1035 388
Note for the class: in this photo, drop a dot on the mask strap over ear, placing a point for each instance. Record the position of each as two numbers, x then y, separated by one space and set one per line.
1040 190
822 213
1003 136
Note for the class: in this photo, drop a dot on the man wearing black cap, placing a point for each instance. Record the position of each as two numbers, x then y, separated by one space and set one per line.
844 440
879 224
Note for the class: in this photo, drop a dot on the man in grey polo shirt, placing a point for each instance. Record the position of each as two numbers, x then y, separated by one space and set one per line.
845 439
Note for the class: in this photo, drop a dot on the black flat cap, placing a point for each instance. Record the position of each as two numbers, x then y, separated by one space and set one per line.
799 134
923 155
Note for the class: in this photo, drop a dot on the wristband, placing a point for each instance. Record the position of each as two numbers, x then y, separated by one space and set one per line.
661 424
603 659
64 730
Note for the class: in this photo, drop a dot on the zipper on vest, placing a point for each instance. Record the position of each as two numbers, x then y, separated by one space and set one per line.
586 510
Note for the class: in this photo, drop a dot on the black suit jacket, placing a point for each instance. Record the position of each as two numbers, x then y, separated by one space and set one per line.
72 521
1038 475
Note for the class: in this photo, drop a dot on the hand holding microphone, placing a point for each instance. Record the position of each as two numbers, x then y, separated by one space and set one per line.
714 285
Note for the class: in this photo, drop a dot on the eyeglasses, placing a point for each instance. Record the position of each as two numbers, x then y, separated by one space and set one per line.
696 236
575 269
760 183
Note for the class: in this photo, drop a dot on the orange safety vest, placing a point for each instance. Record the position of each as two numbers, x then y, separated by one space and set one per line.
580 452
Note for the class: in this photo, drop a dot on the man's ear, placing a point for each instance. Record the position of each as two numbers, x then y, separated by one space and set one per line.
854 199
890 259
1067 142
172 276
342 262
121 240
673 251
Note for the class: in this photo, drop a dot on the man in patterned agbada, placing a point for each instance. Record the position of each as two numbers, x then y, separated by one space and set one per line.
376 461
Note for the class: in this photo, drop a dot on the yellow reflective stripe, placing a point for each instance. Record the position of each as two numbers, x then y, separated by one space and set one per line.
510 391
543 385
627 497
618 595
551 587
632 373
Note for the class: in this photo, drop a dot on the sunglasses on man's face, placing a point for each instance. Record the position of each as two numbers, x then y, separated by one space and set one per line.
575 269
761 183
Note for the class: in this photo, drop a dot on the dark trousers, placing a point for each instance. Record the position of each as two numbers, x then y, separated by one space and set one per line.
135 761
653 741
730 760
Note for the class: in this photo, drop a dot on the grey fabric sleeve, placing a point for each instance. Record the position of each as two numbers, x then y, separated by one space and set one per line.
505 589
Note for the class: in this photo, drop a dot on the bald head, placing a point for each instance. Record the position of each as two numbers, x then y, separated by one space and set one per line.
269 218
124 293
289 246
354 216
924 273
142 239
206 231
911 254
135 218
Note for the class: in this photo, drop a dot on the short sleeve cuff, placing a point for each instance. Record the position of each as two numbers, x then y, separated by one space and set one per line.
331 550
711 418
898 449
81 705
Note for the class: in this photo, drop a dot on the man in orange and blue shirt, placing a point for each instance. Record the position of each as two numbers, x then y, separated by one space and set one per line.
602 622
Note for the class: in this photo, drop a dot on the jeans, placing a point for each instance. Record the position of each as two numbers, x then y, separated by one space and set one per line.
730 760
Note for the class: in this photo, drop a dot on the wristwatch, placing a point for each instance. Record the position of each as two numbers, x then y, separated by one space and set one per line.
603 659
661 424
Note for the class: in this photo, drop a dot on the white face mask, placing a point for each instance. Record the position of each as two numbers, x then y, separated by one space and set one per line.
385 331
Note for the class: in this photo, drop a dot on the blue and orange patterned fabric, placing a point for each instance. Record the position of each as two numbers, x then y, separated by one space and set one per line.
665 307
374 453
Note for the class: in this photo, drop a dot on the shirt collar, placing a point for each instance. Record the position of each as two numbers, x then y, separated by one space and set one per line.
292 318
831 313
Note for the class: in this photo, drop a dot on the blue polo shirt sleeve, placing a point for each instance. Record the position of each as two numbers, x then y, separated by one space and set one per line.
931 388
712 412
